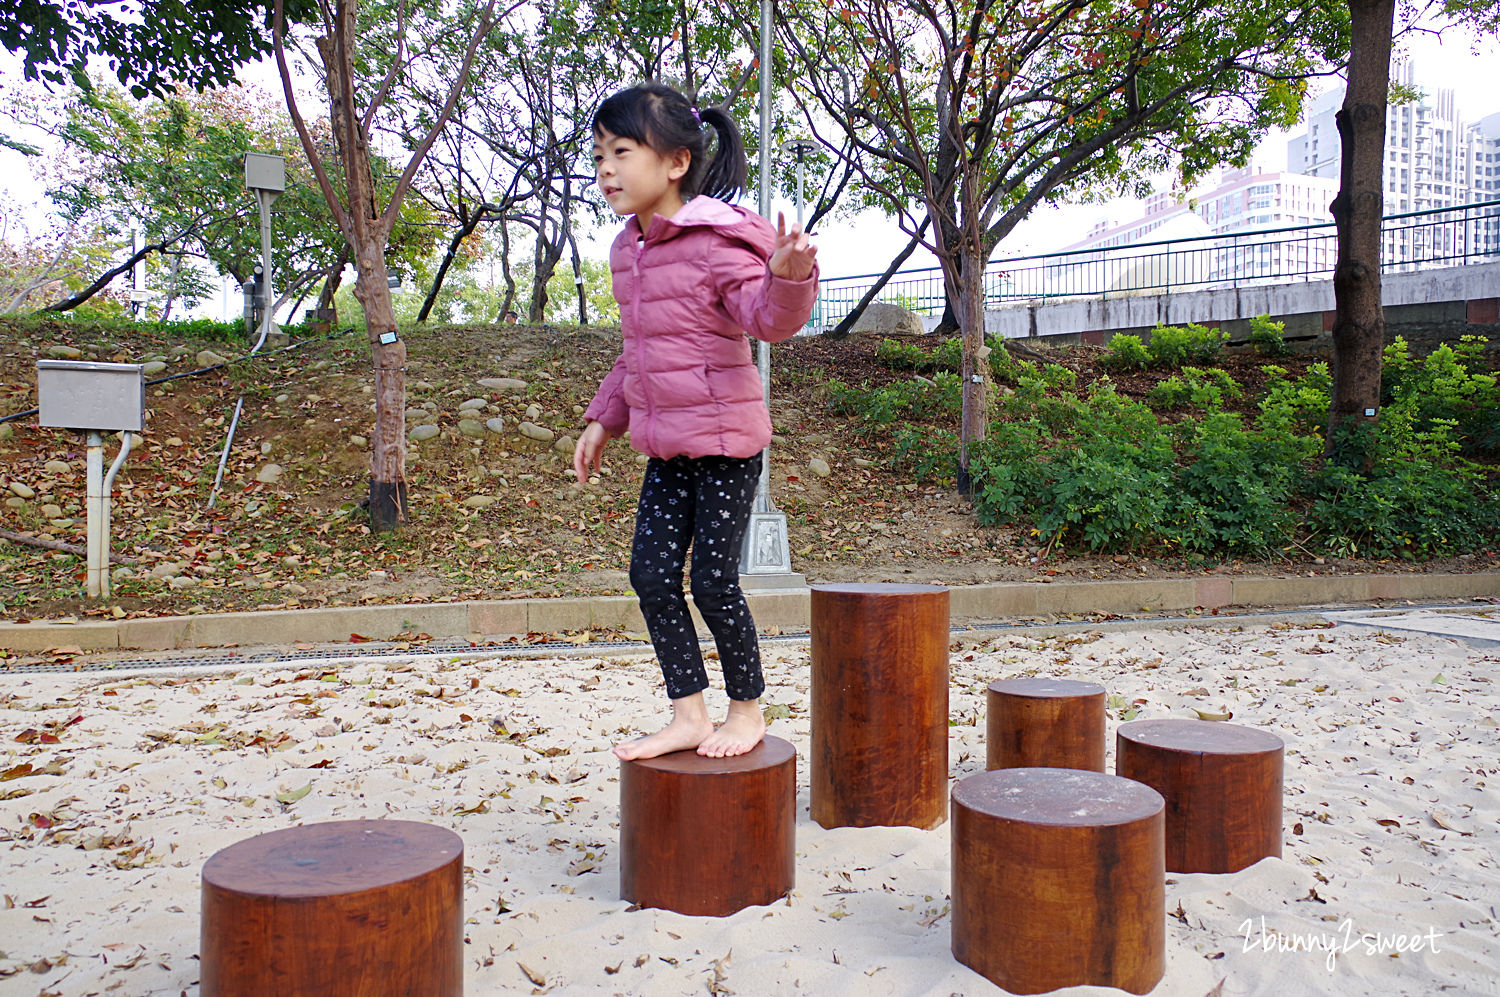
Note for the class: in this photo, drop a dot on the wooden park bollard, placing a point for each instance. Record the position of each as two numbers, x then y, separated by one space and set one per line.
709 836
1050 723
1058 880
343 908
1222 784
879 753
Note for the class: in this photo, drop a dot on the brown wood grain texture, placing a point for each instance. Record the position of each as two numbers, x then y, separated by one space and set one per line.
1058 880
709 836
1048 723
354 908
879 716
1222 784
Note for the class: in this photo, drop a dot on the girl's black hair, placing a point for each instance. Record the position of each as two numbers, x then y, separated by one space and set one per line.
657 116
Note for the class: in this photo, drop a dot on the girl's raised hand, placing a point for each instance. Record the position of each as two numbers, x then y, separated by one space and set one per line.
794 255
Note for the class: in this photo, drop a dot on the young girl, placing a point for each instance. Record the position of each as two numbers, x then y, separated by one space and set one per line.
693 274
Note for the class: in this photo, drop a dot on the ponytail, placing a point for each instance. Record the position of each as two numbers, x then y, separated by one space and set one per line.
660 117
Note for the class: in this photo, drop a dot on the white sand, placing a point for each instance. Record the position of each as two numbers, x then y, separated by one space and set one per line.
1378 728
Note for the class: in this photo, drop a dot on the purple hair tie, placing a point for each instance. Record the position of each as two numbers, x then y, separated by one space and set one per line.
695 114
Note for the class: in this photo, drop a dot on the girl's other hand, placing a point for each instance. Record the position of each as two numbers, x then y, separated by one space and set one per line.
589 451
794 255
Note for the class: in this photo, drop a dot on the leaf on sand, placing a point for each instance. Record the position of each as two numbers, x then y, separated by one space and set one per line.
482 807
1447 823
1213 715
533 975
291 796
16 772
777 711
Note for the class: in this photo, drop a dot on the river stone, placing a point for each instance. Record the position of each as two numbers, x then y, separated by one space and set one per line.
64 352
533 412
166 569
208 358
358 441
182 581
420 433
57 467
153 367
563 445
502 383
495 425
6 431
862 462
283 398
532 431
14 502
270 474
642 459
471 404
815 440
21 490
882 319
52 511
421 385
471 427
820 467
421 417
480 501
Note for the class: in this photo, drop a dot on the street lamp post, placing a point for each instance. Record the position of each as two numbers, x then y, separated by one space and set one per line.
766 558
801 147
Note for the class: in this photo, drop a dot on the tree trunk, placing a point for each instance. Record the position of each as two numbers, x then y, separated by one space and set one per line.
975 421
465 229
583 300
388 505
1359 319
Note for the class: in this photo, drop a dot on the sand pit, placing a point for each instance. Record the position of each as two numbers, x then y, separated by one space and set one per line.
118 789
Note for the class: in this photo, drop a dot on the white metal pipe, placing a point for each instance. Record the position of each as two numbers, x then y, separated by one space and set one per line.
109 483
763 348
94 505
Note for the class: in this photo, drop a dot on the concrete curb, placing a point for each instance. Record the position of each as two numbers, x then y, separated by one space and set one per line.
787 609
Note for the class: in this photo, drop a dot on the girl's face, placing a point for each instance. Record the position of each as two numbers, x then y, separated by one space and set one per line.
637 180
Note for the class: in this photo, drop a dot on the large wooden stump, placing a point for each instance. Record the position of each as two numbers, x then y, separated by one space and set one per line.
1058 880
1044 723
348 908
709 836
1222 784
879 753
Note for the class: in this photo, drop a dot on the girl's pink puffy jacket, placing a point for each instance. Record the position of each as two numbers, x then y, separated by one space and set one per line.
686 383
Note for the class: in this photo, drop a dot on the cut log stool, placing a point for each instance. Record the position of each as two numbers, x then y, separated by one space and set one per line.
1044 723
709 836
338 909
1222 784
1058 880
879 720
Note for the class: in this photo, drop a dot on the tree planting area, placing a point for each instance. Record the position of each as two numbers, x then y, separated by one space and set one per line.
1176 456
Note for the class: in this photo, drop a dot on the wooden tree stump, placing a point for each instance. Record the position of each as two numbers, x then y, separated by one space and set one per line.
709 836
1058 880
1044 723
1222 784
879 753
346 908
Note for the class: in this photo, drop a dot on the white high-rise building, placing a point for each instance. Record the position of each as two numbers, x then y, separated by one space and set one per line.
1434 160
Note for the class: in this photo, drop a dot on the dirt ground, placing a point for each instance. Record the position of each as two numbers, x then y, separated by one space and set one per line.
492 516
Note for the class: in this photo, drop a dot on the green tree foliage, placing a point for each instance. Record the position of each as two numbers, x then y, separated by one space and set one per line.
175 166
151 45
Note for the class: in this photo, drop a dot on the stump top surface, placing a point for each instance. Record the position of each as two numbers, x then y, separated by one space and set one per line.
769 753
1045 688
1205 737
331 858
1065 797
879 588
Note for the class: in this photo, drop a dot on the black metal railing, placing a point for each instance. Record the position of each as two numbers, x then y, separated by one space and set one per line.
1437 237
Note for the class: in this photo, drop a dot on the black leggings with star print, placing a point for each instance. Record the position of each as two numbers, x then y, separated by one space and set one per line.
703 503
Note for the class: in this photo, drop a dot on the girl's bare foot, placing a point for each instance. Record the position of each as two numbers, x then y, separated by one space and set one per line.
689 728
741 731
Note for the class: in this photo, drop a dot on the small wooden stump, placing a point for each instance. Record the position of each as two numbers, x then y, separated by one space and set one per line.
879 753
345 908
1222 784
1058 880
1044 723
709 836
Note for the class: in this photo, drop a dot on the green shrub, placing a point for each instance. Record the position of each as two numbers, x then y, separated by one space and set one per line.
928 454
1126 352
1267 337
1172 346
1233 488
1004 368
949 355
920 398
1196 387
898 355
1446 385
1297 407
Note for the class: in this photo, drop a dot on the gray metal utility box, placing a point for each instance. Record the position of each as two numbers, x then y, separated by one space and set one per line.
265 172
81 394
